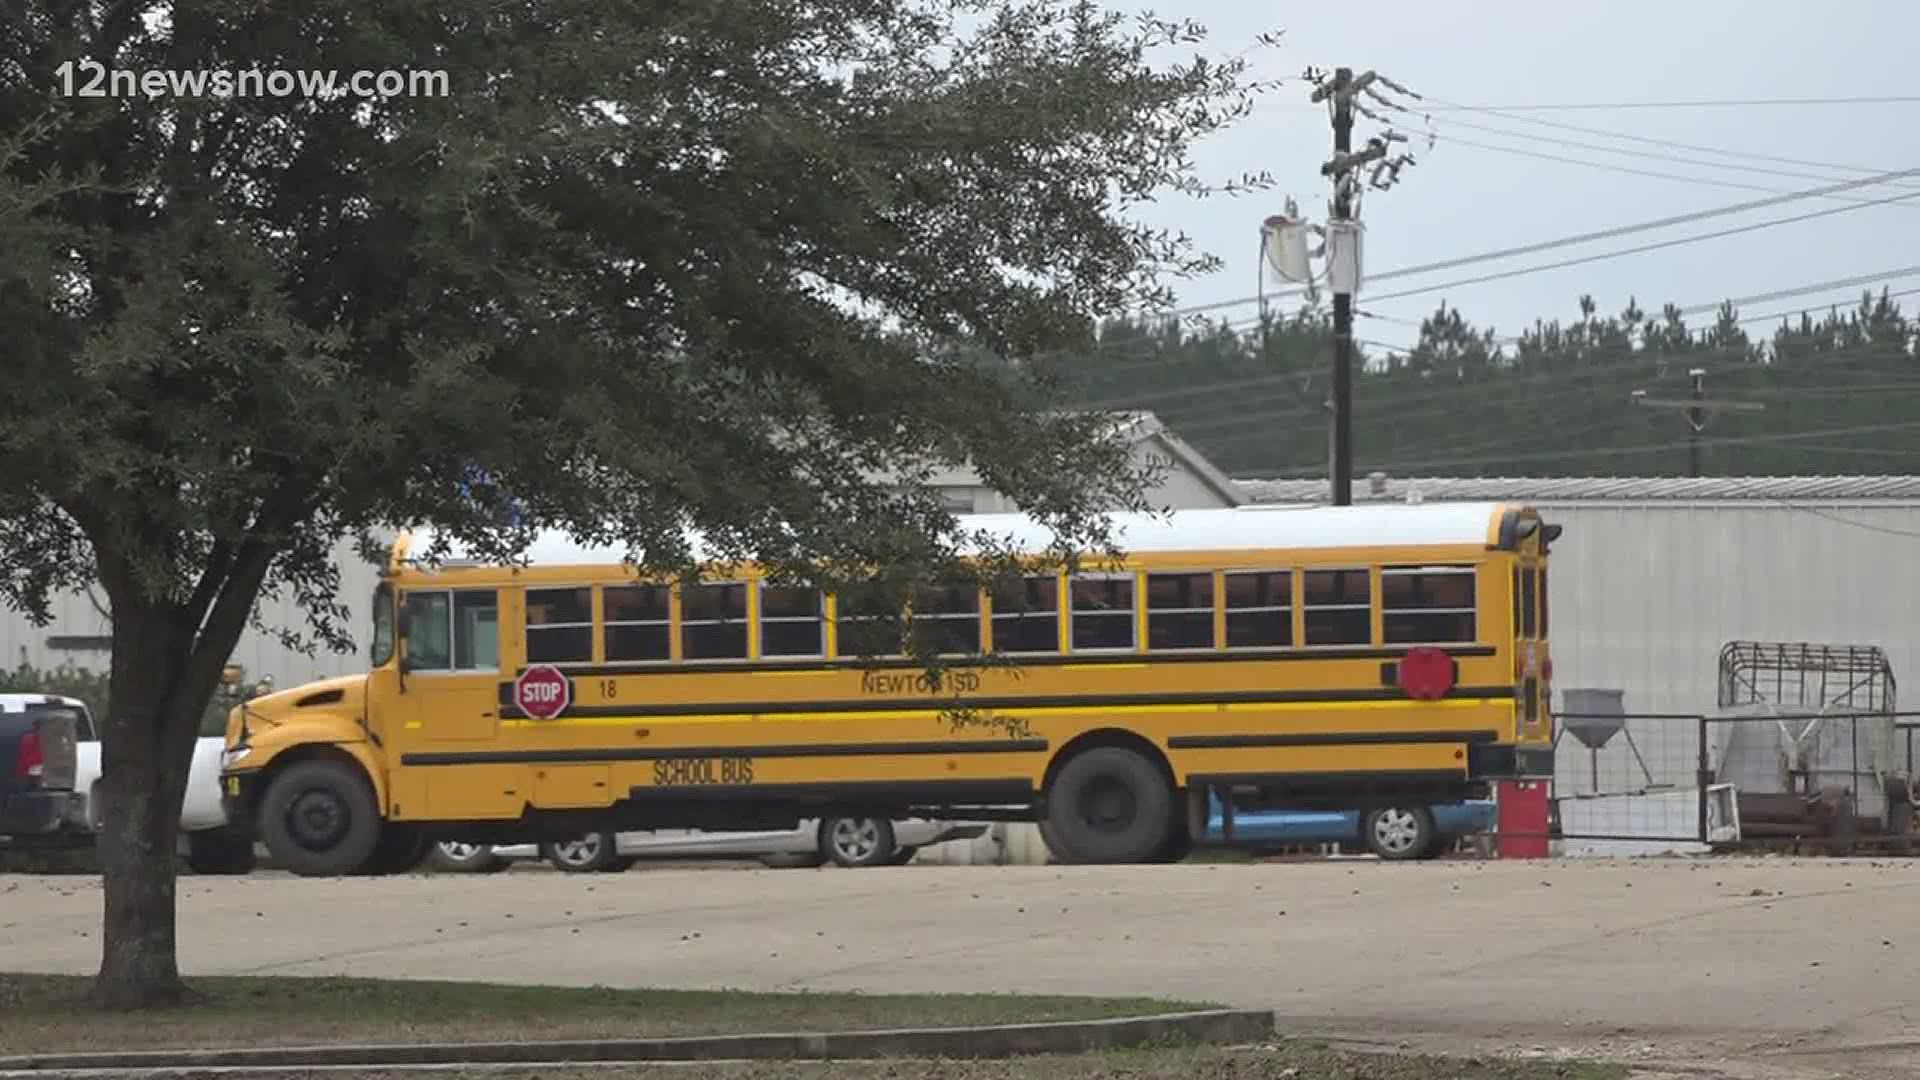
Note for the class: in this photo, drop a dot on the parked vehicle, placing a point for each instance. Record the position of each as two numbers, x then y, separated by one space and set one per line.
39 734
844 841
1396 832
211 846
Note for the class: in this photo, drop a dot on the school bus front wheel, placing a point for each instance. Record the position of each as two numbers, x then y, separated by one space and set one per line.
319 819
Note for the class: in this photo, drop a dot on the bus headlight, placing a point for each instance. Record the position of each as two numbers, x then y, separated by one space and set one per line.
234 756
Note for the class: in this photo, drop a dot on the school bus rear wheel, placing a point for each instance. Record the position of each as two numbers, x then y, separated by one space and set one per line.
1108 804
318 819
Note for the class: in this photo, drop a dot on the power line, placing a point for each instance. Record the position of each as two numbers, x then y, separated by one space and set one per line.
1747 440
1500 389
1586 237
1719 103
1788 314
1643 248
1882 278
1801 290
1605 166
1647 226
1647 140
1632 359
1797 174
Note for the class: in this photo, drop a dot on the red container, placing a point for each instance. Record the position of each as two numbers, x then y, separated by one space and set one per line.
1522 806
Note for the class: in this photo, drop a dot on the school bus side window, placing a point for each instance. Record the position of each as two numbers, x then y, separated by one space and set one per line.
864 625
793 621
453 631
1259 609
1427 604
713 622
1102 611
1339 607
1180 611
948 619
559 626
1026 615
638 618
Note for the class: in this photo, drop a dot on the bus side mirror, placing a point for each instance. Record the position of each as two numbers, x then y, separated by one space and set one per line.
402 621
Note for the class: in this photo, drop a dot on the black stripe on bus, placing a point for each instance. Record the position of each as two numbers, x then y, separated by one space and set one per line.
1329 738
680 753
910 793
1012 662
1007 703
1301 780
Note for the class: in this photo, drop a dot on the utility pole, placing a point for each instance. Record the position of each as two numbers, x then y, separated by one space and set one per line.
1343 92
1341 452
1696 407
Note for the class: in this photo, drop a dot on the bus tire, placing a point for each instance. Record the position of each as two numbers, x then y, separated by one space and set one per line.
1108 804
318 819
401 850
1177 846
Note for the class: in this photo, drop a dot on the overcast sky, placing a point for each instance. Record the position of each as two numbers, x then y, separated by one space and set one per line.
1462 199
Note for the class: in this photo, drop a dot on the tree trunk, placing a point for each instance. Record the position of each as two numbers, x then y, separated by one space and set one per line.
146 752
168 652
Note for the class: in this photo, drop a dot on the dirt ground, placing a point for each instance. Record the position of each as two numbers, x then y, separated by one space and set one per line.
1744 967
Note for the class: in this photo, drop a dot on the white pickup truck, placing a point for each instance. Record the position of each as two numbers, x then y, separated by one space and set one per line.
211 847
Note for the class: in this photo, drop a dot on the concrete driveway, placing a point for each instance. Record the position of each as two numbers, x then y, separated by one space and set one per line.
1704 960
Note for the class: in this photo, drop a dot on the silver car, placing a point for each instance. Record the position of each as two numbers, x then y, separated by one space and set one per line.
844 841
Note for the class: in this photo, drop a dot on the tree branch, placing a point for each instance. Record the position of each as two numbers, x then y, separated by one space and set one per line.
219 561
114 27
247 572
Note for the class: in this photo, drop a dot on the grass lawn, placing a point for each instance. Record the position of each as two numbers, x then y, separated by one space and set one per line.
1289 1060
45 1013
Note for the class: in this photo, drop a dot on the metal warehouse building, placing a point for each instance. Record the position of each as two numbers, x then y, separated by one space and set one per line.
1653 576
80 633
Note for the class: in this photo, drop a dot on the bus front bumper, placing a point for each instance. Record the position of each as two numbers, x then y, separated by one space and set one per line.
237 791
1487 761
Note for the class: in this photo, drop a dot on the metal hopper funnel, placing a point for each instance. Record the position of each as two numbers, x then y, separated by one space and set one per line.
1595 716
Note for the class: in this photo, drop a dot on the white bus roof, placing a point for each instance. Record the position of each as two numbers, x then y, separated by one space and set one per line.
1235 529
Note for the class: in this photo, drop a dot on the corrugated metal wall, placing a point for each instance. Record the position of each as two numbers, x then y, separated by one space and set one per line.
260 653
1645 594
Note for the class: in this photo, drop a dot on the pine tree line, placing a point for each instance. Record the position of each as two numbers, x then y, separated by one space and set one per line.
1841 390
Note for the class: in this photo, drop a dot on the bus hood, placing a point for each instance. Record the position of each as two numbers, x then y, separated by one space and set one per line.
343 695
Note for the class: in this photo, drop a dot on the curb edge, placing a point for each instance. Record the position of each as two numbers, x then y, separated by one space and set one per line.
1212 1027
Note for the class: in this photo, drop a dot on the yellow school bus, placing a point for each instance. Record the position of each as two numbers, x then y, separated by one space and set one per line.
1352 657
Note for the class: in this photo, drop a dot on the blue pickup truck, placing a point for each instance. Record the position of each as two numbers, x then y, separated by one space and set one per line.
1391 832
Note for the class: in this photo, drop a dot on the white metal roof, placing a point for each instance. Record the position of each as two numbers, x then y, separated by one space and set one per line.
1390 525
1543 490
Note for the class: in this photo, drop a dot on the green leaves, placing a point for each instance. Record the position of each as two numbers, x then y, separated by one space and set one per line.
710 263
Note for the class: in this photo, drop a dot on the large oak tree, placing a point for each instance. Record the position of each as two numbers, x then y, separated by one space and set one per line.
647 264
